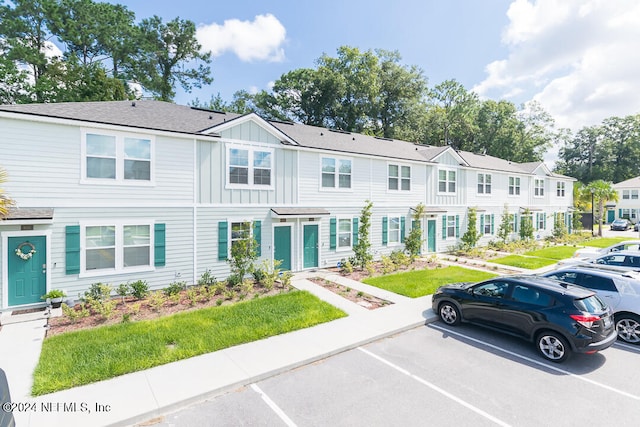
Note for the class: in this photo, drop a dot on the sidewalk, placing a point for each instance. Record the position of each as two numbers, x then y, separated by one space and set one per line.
143 395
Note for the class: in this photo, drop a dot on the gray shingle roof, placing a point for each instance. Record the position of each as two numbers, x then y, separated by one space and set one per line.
165 116
154 115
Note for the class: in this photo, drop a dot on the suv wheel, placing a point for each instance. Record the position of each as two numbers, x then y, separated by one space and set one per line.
628 328
449 313
553 347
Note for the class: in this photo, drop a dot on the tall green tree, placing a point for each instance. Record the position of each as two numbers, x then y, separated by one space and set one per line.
14 83
506 225
451 116
526 225
167 51
413 242
24 33
471 235
602 192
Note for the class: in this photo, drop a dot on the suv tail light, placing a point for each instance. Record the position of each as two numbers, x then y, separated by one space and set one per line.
586 321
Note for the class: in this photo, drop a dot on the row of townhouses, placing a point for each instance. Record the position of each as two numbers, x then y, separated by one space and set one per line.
628 205
120 191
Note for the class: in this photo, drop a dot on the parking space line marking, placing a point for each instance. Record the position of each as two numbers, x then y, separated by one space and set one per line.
436 388
273 406
537 362
628 347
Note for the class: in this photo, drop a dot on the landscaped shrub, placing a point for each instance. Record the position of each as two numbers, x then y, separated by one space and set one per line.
98 291
139 289
123 290
174 288
207 279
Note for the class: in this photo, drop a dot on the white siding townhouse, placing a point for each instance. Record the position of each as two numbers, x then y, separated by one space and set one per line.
114 192
628 201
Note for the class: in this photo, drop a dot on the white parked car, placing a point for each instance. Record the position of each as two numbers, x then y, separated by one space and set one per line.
591 252
619 290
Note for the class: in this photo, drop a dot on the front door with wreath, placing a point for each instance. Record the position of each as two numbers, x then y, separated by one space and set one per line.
26 269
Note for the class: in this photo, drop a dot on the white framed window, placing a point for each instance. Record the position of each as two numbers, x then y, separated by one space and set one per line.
344 233
514 185
451 226
336 173
399 177
540 221
114 248
249 167
394 230
116 158
538 187
634 194
626 194
560 189
486 221
484 183
239 230
446 181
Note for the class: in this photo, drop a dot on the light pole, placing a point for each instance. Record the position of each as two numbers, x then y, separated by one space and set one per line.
592 215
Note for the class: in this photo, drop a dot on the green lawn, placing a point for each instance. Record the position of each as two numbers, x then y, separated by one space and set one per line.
529 262
82 357
604 242
554 252
419 283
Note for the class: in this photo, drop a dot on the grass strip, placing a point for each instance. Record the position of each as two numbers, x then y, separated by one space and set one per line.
528 262
82 357
606 241
554 252
419 283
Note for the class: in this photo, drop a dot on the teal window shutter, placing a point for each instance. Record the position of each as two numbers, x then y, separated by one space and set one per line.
159 245
223 240
444 227
544 220
481 224
257 236
516 223
385 226
332 233
403 228
72 249
619 213
492 223
457 226
354 231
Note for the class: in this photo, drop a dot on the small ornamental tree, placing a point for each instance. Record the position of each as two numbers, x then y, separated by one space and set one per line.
242 255
506 225
526 226
559 226
471 236
362 249
413 242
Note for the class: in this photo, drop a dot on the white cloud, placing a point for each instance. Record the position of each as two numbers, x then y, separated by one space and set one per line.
259 40
578 58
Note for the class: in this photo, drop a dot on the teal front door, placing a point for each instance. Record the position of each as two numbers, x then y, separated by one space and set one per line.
26 269
310 246
611 215
282 246
431 235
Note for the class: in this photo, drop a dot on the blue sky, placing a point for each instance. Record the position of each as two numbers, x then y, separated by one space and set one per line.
578 58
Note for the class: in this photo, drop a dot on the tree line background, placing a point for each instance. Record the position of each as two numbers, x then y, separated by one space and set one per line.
105 48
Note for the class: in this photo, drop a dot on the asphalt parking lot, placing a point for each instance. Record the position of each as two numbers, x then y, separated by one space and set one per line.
437 375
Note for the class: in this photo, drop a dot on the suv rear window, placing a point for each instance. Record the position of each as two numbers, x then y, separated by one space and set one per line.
591 304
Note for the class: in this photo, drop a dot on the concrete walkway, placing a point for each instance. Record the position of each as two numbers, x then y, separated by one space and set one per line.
143 395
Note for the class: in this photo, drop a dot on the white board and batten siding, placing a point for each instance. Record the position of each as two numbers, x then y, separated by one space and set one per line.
55 169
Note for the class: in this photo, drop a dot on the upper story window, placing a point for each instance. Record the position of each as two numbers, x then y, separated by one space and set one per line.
336 173
484 183
630 194
399 177
538 187
249 167
560 189
514 185
116 157
446 181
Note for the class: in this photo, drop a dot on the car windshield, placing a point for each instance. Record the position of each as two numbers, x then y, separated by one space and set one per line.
591 304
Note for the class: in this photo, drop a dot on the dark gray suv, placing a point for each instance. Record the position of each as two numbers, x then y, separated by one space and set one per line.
560 318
